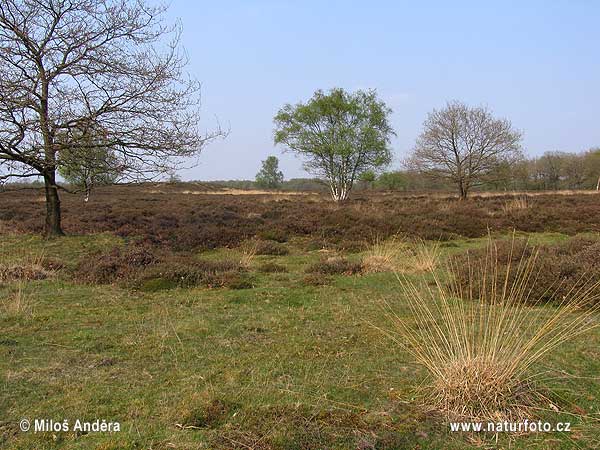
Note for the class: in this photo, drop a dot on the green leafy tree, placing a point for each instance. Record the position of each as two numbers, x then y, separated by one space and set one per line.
269 175
85 160
392 181
368 178
592 168
339 134
86 170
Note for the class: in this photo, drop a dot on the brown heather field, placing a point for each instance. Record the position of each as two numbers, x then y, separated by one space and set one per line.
194 217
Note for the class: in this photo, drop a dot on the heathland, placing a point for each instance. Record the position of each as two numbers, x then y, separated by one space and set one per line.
206 318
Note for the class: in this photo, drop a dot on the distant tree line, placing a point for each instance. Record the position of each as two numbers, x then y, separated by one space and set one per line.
293 184
551 171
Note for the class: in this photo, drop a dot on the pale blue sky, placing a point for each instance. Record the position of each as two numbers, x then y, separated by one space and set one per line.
536 63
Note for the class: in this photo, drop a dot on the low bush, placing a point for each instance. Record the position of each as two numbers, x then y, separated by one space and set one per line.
120 263
202 412
28 267
336 266
562 269
18 272
189 222
276 235
189 272
316 279
271 248
145 268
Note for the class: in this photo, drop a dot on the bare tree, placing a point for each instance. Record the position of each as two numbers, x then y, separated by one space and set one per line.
71 66
464 145
550 168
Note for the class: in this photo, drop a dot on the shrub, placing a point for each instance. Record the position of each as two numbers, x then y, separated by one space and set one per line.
271 267
19 272
336 266
189 272
52 264
203 412
27 267
479 338
316 279
118 264
563 268
271 248
206 221
238 281
276 235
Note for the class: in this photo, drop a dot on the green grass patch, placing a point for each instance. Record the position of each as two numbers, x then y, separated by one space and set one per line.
280 364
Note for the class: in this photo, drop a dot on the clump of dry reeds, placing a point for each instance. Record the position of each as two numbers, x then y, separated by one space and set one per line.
515 204
396 255
16 303
480 351
28 266
248 250
384 255
426 256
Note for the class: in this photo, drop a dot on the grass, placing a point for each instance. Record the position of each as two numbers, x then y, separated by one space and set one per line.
479 350
283 365
16 303
426 256
384 255
396 255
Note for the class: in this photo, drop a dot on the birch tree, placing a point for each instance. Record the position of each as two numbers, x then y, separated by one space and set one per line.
340 135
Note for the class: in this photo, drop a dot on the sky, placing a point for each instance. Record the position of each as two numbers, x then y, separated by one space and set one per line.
534 63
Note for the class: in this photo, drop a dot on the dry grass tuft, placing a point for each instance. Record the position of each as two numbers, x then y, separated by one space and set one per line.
29 267
17 303
480 351
384 255
515 204
394 255
426 256
249 250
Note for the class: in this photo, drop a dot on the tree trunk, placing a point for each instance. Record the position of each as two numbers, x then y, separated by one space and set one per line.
53 227
462 191
339 194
